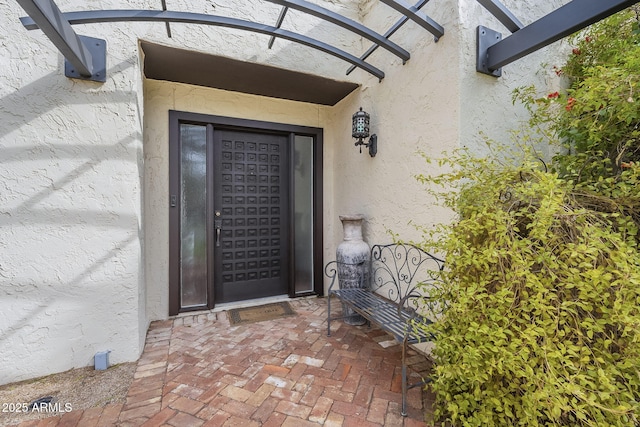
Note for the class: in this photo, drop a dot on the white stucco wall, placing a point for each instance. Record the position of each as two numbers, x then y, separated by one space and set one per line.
487 110
415 108
70 206
84 166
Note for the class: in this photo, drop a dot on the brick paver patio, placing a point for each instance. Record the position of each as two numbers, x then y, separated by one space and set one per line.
200 371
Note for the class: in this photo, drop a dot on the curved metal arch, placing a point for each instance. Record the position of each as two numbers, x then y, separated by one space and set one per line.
416 16
346 23
130 15
395 27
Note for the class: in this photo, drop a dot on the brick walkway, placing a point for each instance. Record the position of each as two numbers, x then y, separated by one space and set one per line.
200 371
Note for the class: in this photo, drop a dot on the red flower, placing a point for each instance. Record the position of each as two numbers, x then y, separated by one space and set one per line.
570 103
576 51
553 95
626 165
588 39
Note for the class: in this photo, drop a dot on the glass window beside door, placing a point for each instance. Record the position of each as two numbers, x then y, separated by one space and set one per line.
193 215
303 212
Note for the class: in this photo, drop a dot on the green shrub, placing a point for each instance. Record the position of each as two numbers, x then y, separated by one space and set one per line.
542 288
543 300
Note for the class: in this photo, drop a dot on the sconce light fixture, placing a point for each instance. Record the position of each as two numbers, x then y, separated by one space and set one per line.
360 131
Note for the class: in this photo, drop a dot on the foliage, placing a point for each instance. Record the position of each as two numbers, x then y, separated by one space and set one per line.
542 287
543 318
597 120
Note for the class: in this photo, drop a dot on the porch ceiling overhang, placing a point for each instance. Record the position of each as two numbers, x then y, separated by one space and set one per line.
86 56
185 66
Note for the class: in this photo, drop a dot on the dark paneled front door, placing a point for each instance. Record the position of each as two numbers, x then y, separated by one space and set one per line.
251 224
245 210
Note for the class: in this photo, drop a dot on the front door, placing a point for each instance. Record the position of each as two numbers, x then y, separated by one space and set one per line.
251 194
245 211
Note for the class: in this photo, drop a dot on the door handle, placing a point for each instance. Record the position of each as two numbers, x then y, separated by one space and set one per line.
218 226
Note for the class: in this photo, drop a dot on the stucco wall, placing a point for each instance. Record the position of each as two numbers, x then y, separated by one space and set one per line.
414 109
487 110
70 206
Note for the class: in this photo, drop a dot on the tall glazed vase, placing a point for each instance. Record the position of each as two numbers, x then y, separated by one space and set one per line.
354 262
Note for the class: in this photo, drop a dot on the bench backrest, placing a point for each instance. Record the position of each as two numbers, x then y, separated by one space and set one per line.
404 273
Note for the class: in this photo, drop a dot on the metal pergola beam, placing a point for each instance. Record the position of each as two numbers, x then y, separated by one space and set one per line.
494 52
166 24
86 56
349 24
418 17
502 14
395 27
279 22
100 16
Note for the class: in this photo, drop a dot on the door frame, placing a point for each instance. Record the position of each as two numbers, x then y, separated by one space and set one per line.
230 123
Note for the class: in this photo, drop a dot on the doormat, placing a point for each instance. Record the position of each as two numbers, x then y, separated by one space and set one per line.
238 316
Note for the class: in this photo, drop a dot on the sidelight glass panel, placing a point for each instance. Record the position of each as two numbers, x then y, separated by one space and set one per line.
193 215
303 212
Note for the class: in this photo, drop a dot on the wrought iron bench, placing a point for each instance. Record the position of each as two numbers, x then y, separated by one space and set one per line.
391 295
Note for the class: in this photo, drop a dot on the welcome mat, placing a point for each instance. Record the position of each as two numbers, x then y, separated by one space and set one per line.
238 316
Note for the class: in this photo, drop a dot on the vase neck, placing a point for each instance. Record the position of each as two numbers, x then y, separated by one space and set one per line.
352 229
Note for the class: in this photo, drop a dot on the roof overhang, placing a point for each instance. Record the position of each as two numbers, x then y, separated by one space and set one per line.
185 66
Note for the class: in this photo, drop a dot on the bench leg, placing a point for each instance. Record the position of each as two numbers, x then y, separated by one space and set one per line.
404 378
329 315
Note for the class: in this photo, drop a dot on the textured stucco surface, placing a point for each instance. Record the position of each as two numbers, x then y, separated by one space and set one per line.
84 166
487 110
415 108
70 206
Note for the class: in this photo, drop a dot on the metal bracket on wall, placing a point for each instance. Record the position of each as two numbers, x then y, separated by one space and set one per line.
373 145
485 38
98 50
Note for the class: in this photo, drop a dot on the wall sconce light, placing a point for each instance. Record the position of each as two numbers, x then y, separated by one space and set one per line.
360 131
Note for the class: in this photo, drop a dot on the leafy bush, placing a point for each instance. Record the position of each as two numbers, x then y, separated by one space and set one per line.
543 296
542 290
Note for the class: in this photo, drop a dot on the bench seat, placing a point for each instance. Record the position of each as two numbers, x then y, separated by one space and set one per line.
384 313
